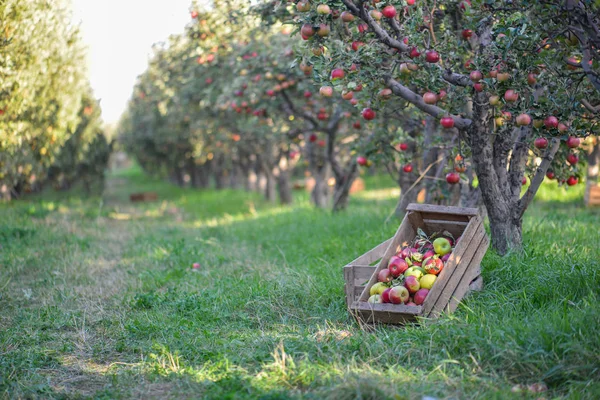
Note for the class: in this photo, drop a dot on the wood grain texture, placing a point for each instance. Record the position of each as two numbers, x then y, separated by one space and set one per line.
404 233
478 245
372 255
434 209
456 258
594 196
464 285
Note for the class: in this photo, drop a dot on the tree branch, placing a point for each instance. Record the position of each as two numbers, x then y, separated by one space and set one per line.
518 160
292 110
402 91
538 177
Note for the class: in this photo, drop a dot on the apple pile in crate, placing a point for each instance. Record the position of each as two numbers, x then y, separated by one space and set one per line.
412 272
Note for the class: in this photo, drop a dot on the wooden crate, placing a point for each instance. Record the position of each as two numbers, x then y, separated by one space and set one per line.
461 272
146 196
593 196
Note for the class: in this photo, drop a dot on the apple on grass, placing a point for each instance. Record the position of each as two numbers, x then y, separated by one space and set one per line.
398 295
196 266
442 246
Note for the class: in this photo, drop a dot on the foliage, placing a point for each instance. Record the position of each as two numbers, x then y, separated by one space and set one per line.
43 88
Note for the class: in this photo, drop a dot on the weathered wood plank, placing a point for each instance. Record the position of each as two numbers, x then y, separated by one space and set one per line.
456 228
478 241
349 287
456 258
435 209
405 233
372 255
464 285
416 220
385 313
363 272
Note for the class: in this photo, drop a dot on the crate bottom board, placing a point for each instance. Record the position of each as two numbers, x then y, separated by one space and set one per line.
393 313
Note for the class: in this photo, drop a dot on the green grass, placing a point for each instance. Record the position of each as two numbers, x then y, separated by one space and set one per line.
98 300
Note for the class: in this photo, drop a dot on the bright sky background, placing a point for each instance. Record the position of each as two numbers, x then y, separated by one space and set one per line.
120 34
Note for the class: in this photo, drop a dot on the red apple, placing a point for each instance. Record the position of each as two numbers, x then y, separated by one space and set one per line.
347 16
531 79
323 30
399 295
321 143
541 143
326 91
502 76
405 252
478 87
397 266
368 114
572 180
307 30
361 160
385 93
389 11
524 181
414 53
476 76
356 125
337 73
194 14
467 34
523 120
412 284
562 127
511 96
551 122
433 265
420 296
430 98
452 178
385 296
407 168
550 175
307 94
312 138
347 95
356 45
303 6
447 122
432 56
573 142
572 159
403 146
323 9
384 275
410 2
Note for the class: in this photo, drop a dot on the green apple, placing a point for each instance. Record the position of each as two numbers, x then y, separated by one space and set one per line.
375 299
427 281
442 246
377 288
417 272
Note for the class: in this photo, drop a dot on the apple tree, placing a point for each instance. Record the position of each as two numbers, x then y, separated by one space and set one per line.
499 82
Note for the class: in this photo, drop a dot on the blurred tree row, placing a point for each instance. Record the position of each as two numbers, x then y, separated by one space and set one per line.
50 128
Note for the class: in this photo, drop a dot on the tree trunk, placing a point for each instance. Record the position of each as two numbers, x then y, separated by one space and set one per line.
284 186
320 192
341 194
506 234
408 193
593 158
270 187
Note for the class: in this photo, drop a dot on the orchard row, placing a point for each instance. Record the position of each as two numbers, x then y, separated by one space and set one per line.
441 94
49 121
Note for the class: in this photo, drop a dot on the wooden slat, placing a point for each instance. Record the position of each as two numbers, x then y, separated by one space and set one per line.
455 228
404 233
446 217
349 287
464 285
416 220
363 272
357 292
434 209
479 242
385 313
372 255
476 285
450 265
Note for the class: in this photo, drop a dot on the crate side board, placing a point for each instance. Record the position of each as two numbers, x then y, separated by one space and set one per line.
455 258
372 255
464 286
404 233
459 271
